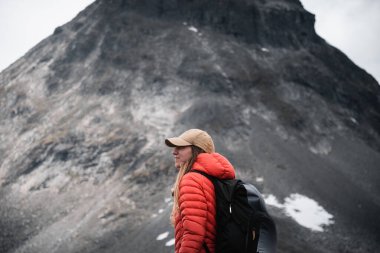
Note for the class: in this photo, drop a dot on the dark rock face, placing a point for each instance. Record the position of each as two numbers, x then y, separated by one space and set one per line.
83 167
259 22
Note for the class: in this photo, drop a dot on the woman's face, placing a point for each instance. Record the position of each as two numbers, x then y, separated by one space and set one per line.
181 155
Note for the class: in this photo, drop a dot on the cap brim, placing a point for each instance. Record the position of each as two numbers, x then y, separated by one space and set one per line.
176 142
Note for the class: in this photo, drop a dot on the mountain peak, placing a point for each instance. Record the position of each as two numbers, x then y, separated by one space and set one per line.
267 22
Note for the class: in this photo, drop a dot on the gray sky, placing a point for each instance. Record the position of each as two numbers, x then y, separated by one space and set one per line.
24 23
353 26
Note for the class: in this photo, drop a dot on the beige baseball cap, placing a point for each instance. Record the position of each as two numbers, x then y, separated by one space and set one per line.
194 137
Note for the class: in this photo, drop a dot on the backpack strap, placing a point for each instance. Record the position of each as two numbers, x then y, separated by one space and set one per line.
204 174
206 248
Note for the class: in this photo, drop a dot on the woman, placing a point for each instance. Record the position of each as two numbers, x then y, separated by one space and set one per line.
193 214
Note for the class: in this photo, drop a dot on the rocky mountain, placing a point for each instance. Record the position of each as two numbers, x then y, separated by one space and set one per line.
84 115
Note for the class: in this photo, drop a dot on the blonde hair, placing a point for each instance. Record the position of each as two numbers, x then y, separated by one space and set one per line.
184 169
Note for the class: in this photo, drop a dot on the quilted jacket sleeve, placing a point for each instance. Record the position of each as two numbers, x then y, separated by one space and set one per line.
193 208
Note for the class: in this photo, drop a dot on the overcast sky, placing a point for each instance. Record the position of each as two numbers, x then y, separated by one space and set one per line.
24 23
353 26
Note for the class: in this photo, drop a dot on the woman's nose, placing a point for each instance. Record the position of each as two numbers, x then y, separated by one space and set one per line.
175 151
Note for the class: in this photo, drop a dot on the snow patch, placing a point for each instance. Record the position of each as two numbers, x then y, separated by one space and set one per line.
161 211
193 29
264 49
170 243
272 201
162 236
259 179
307 212
304 210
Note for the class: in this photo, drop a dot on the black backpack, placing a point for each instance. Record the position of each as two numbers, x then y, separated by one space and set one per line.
243 223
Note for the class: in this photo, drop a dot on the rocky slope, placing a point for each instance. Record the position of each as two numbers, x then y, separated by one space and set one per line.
83 166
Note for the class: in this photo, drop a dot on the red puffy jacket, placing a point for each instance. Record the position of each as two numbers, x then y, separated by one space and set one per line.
195 222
